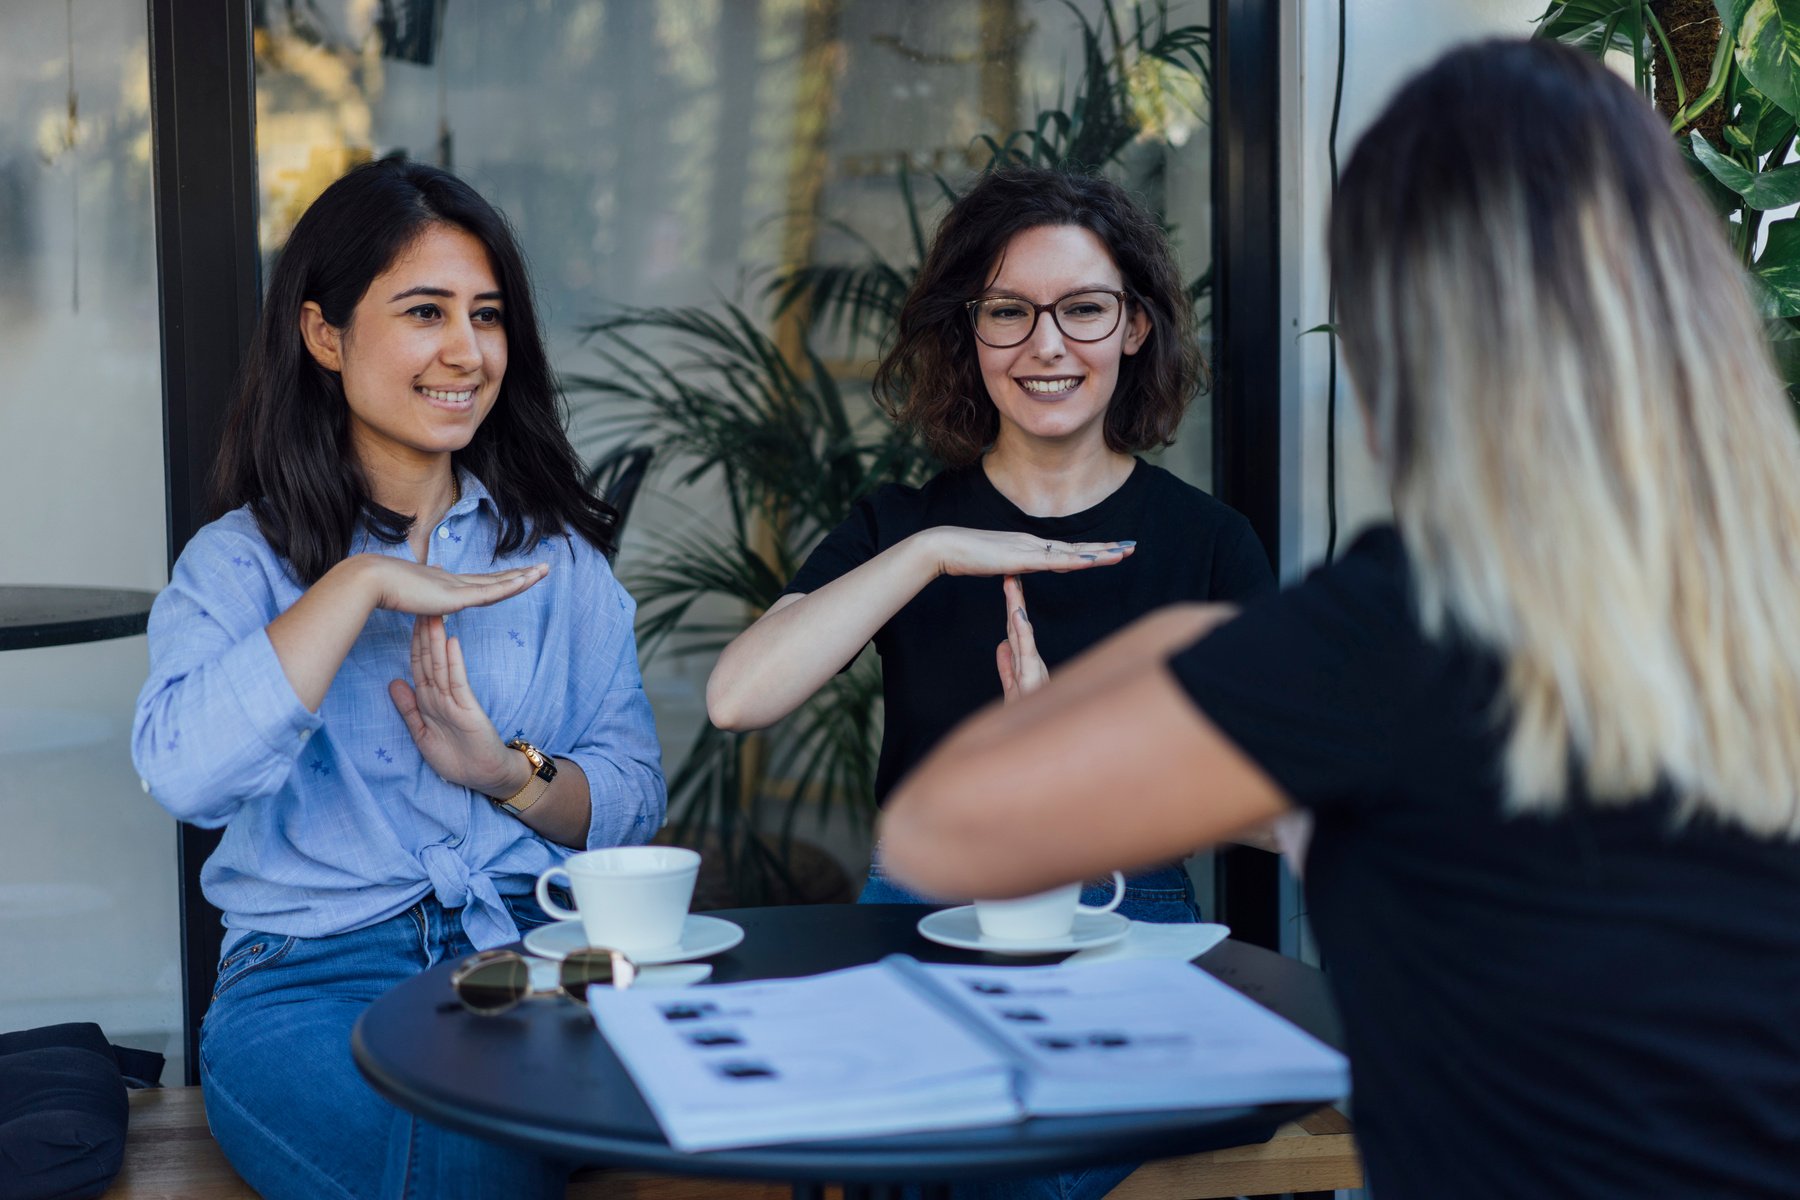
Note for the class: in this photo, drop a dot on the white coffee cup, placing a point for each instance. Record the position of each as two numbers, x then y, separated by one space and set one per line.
630 898
1045 917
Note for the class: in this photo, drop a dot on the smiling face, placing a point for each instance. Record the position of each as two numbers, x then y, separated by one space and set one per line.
1049 388
424 353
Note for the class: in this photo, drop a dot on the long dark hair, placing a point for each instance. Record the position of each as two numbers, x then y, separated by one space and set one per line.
930 380
286 450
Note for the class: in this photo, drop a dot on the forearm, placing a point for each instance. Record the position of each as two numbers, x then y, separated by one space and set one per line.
1144 644
774 666
315 634
562 813
1108 766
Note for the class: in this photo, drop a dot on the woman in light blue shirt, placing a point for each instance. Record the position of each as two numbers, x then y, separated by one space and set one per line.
397 671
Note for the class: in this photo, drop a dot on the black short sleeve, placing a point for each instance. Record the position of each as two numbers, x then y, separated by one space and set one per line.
1240 570
1311 684
844 549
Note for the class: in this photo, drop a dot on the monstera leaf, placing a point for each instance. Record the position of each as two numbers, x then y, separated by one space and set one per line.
1776 187
1777 269
1596 26
1767 37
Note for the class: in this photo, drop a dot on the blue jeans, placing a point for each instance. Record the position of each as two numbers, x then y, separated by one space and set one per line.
1164 896
286 1102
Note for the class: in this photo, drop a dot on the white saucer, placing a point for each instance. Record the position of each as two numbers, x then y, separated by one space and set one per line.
957 927
701 937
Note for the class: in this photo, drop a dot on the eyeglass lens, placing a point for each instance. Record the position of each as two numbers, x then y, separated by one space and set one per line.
493 986
583 969
1003 321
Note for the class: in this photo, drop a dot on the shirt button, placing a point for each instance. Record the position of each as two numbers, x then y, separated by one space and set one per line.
305 734
443 531
145 784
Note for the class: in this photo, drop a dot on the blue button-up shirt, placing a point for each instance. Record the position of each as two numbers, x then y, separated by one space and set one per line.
332 820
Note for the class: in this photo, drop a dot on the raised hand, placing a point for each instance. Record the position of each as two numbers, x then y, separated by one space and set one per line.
410 587
960 551
447 723
1022 671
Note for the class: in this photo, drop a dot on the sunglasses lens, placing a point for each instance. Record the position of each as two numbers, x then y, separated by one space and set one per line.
495 986
594 968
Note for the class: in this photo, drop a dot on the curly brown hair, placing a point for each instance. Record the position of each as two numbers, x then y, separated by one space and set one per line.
930 380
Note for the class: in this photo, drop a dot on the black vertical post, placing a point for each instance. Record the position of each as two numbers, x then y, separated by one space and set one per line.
204 147
1247 319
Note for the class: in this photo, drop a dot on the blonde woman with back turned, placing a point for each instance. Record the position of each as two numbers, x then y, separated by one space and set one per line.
1548 723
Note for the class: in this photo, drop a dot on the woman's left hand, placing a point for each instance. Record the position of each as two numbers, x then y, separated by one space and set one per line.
448 724
1022 671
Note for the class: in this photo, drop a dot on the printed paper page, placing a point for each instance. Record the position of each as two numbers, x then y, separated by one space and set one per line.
1143 1034
851 1053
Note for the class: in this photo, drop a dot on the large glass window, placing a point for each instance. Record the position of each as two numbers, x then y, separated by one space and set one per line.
686 152
87 864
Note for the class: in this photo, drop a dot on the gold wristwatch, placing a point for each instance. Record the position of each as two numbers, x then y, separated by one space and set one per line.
543 770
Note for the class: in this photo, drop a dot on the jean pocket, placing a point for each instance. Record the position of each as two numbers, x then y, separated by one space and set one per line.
1156 895
255 952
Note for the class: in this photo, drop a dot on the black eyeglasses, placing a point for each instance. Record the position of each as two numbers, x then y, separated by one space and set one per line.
494 980
1003 322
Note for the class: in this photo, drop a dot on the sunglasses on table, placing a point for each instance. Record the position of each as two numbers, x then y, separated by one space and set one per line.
493 981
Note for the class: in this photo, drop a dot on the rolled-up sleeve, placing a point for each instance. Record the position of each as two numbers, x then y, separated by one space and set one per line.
217 723
615 740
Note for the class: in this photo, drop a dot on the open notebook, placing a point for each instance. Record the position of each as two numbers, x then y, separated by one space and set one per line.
903 1047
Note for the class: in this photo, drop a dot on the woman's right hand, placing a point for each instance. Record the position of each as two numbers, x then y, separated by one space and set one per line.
424 591
959 551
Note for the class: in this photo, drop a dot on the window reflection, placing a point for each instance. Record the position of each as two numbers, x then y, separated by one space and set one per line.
88 893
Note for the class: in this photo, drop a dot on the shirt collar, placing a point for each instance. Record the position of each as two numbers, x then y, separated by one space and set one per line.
473 493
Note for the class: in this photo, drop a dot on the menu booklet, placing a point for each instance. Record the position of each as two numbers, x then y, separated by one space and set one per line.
904 1047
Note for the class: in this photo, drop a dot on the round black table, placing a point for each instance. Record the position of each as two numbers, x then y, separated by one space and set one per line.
544 1078
32 616
541 1076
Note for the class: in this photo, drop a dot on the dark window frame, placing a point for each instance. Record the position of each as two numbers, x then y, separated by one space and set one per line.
203 116
202 83
1247 308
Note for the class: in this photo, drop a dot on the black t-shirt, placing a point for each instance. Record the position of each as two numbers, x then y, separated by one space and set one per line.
1599 1003
937 653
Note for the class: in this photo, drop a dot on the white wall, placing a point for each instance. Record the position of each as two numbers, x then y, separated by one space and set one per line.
1386 41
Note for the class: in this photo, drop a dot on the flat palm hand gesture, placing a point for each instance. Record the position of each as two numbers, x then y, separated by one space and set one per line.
422 590
961 551
447 723
1022 671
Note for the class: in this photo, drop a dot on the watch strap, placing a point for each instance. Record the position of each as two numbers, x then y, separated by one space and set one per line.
543 771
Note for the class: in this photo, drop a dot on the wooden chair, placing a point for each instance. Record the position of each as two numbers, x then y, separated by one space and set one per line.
616 476
170 1155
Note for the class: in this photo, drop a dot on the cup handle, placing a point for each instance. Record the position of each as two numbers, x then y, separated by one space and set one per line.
1118 896
556 910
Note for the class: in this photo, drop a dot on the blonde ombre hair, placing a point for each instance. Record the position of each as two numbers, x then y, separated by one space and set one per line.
1594 467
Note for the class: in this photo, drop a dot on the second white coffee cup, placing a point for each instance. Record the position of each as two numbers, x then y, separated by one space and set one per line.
1043 917
630 898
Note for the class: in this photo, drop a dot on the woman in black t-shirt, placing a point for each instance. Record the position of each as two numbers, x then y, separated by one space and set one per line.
1548 723
1048 337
